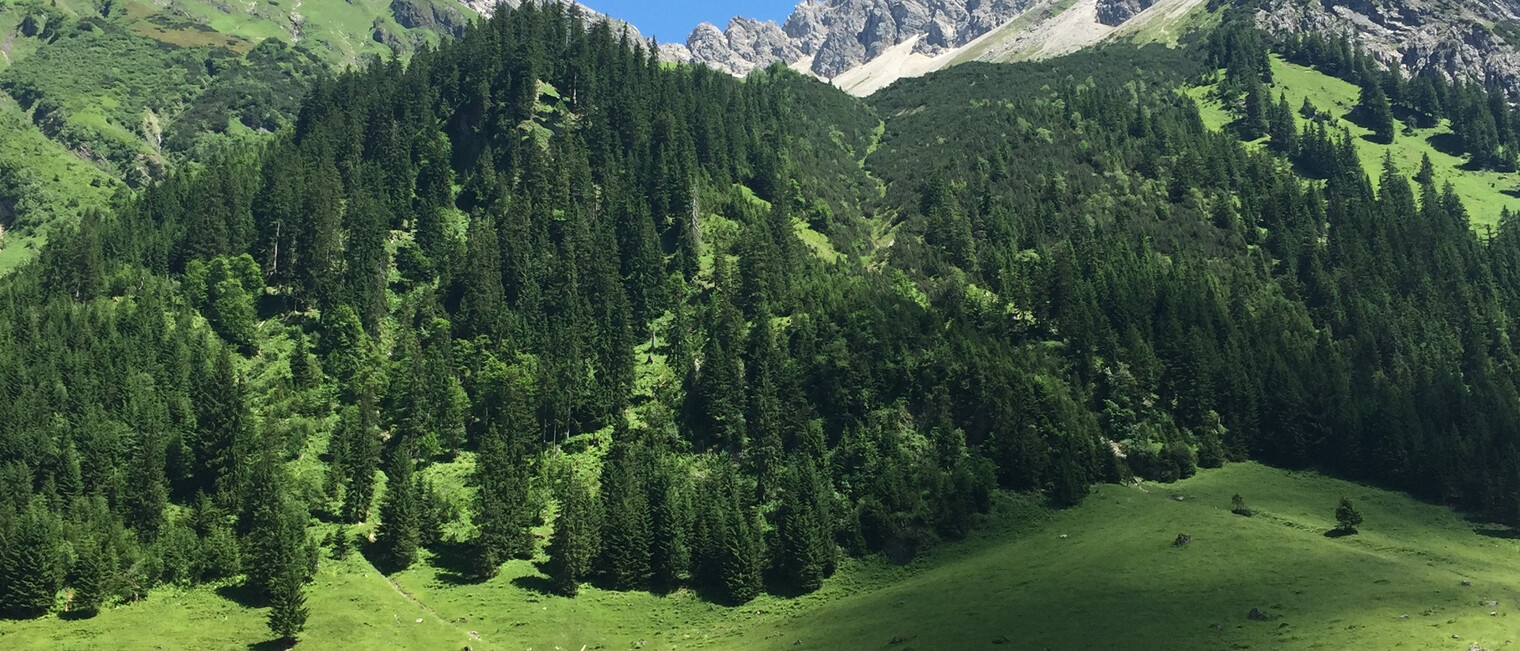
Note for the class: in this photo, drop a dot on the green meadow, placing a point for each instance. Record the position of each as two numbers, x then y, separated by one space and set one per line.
1031 579
1485 193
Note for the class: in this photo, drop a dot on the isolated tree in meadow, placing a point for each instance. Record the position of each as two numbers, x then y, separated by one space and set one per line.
1307 109
1253 118
1347 517
1281 127
287 602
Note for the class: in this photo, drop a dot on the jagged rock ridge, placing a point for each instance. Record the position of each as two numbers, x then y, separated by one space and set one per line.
841 34
1467 40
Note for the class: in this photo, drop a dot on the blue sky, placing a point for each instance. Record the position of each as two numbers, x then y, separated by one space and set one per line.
671 20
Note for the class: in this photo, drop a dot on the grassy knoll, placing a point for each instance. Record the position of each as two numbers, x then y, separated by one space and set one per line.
1015 584
1117 574
1484 193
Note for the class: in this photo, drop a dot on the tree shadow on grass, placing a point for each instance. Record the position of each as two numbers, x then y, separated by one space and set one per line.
77 615
1446 143
536 583
1340 533
455 562
271 645
1500 532
242 595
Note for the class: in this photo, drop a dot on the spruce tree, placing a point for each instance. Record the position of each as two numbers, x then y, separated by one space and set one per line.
503 508
671 518
1347 518
803 555
400 530
287 602
577 538
274 529
1376 111
1253 117
89 580
361 459
626 521
29 578
304 373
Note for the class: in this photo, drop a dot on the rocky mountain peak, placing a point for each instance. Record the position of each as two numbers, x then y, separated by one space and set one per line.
841 34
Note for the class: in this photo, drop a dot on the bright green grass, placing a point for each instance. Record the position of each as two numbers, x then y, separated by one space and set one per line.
352 607
1116 581
18 250
816 241
1483 192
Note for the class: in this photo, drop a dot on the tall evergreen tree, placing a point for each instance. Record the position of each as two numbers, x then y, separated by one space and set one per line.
400 531
626 519
1376 110
503 506
29 577
287 603
576 540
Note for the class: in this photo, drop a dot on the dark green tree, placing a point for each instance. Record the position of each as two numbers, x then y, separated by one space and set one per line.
400 531
29 576
287 603
504 508
1376 111
1347 518
89 578
576 540
624 558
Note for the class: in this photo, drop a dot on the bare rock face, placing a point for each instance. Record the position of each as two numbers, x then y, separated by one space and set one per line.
1114 12
842 34
1457 40
441 18
746 44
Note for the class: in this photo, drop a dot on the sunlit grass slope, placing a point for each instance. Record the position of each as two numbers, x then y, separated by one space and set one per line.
1484 193
1114 580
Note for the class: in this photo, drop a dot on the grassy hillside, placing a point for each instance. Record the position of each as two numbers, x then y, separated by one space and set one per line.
88 99
1116 570
1484 192
1032 579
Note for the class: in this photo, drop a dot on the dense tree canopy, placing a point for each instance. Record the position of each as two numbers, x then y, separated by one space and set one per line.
782 323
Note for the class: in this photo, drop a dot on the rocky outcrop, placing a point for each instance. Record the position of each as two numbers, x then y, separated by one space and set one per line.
1114 12
842 34
420 14
1467 40
746 44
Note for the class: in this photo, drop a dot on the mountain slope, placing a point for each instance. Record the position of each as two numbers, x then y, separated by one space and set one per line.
93 100
1474 41
863 46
